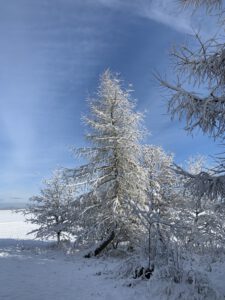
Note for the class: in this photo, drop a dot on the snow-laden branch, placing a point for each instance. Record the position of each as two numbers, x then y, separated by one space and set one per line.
208 3
204 184
207 113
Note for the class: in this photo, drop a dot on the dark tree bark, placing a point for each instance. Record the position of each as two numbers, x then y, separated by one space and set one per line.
58 237
102 246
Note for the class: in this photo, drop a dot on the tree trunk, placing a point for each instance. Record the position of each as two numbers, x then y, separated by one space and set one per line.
102 246
58 237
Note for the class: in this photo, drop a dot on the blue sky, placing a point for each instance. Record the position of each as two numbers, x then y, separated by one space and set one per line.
51 56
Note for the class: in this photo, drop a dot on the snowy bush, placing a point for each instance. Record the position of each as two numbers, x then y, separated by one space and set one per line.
51 211
185 285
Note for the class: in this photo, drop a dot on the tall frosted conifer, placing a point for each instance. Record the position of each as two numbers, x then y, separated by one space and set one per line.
113 173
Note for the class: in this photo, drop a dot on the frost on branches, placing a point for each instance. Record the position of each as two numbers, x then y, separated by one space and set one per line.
202 218
51 211
113 175
208 3
157 218
203 66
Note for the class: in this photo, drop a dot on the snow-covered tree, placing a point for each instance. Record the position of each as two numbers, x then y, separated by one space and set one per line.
157 218
203 222
52 210
203 66
113 175
161 177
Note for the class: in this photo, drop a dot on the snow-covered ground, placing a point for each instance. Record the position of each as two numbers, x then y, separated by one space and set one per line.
33 270
13 226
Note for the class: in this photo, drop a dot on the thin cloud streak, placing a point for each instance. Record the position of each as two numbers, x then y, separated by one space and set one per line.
166 12
169 13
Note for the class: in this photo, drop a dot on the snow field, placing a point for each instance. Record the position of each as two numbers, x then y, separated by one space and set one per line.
32 270
35 270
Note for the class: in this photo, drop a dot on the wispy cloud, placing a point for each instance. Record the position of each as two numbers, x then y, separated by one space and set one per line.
167 12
